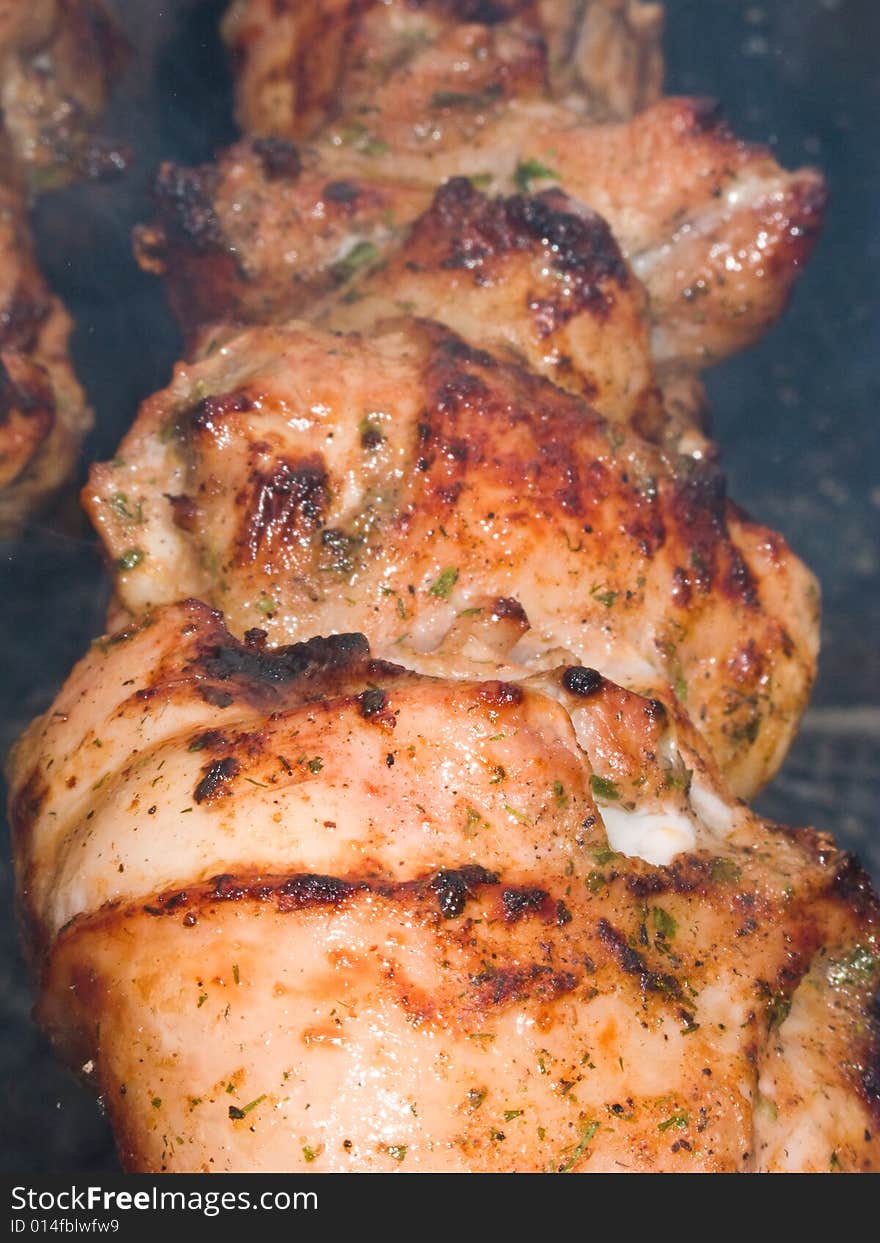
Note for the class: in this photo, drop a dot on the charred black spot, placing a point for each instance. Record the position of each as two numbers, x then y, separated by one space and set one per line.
341 549
632 962
211 739
500 694
498 985
582 245
167 904
211 410
478 230
341 192
281 507
279 158
276 666
452 888
739 582
185 197
518 902
582 681
372 702
505 608
655 710
216 775
313 890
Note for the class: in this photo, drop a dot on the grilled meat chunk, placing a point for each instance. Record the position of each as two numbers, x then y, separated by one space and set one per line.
300 63
512 926
57 61
712 226
311 482
43 413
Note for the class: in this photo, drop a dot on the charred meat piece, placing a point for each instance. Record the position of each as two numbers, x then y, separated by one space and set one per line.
714 229
512 927
300 63
43 413
311 482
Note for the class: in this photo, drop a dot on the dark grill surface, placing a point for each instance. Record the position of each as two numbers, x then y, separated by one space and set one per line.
796 418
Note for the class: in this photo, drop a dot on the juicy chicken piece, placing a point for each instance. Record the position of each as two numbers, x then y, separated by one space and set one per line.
57 60
536 278
310 482
301 62
512 927
712 226
43 413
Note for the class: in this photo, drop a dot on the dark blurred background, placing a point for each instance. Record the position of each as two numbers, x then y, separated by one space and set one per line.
796 418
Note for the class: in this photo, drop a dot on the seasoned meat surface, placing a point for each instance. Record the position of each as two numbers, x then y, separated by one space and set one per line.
43 413
57 58
308 482
57 61
425 853
302 62
513 926
711 226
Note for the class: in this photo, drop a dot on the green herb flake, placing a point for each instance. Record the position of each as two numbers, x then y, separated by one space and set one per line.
472 820
481 181
499 772
680 687
510 1114
203 997
360 255
315 765
857 968
309 1153
396 1151
465 99
528 171
778 1009
237 1113
595 881
678 1120
603 855
442 586
267 605
130 560
482 1037
724 871
475 1097
156 1102
517 815
119 503
604 787
664 925
559 794
589 1132
236 975
605 597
